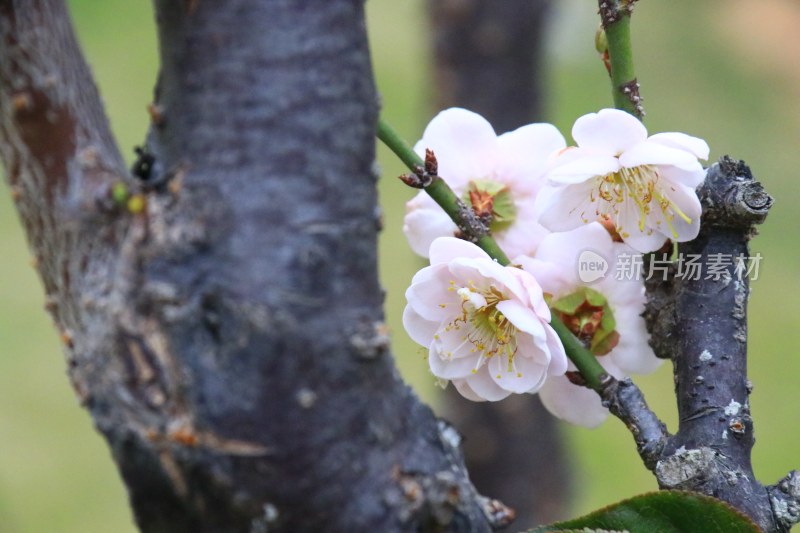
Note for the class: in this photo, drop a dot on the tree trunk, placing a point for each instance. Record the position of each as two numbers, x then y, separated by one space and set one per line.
488 58
226 335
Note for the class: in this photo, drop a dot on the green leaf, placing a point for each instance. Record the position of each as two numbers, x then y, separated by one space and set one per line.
665 512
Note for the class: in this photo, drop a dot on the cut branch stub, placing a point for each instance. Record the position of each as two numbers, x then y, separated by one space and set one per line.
731 197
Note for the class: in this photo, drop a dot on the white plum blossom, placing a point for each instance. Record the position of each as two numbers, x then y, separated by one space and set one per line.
486 326
499 174
645 186
604 314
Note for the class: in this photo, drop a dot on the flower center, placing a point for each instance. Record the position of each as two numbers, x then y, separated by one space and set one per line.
492 199
487 330
640 185
588 316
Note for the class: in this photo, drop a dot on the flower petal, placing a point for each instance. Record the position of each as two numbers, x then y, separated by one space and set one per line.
465 145
463 388
523 236
576 169
523 317
689 178
523 155
520 376
620 289
646 238
485 273
553 278
571 403
694 145
671 224
429 297
558 357
485 387
566 208
610 131
651 153
446 249
685 199
645 242
422 226
419 329
564 250
633 354
535 294
533 349
445 367
453 342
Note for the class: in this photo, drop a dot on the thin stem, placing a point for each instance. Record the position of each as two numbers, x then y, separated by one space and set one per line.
616 17
582 358
441 192
398 145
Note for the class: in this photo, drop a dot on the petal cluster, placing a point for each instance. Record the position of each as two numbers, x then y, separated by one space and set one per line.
505 172
556 268
618 192
645 186
486 326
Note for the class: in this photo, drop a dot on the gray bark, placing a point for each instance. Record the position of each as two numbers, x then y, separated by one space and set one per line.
700 323
228 340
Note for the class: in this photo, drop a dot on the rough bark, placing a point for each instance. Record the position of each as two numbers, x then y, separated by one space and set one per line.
228 339
701 324
488 58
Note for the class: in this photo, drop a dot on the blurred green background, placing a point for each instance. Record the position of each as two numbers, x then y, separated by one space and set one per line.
724 70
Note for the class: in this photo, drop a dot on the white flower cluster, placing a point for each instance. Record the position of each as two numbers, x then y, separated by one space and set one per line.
486 326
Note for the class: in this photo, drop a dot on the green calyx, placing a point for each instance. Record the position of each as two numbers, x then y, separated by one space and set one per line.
588 316
490 198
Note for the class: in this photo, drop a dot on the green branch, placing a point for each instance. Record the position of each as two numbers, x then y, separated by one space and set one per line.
584 360
616 18
586 363
399 146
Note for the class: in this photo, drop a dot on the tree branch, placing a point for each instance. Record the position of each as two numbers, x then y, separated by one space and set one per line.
700 323
228 339
61 162
57 147
626 401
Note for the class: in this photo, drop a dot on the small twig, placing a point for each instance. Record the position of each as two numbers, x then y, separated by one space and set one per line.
626 401
472 228
616 18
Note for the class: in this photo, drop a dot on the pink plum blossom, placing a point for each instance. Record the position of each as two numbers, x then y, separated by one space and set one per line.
507 170
486 326
644 185
605 314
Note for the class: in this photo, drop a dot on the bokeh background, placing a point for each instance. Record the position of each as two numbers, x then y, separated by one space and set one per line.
724 70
